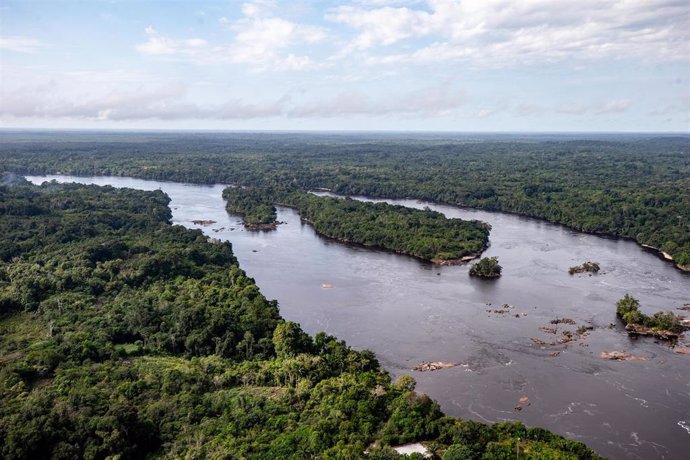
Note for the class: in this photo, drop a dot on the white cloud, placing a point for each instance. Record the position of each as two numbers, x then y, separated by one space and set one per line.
259 40
129 97
617 106
613 106
19 44
503 32
434 100
258 8
262 40
162 46
572 109
381 26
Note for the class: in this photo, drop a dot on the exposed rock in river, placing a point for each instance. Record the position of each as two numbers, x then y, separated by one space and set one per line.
620 356
682 350
203 223
638 329
432 366
591 267
563 321
459 261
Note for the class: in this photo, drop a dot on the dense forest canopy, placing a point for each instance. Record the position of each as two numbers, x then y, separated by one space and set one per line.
122 336
631 186
425 234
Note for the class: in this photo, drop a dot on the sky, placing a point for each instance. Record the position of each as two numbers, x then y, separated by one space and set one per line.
435 65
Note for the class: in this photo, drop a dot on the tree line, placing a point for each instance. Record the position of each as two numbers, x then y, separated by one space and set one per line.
633 187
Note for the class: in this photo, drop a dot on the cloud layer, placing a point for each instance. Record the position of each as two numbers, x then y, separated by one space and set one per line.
556 62
506 32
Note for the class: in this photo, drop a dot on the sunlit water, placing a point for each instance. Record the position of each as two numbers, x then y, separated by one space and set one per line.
408 311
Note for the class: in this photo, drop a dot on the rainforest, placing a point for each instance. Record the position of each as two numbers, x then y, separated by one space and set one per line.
631 186
124 336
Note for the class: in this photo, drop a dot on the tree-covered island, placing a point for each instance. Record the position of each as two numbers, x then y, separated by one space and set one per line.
424 234
487 267
662 325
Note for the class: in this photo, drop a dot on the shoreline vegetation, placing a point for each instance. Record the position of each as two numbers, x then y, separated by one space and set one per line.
633 187
424 234
665 256
123 336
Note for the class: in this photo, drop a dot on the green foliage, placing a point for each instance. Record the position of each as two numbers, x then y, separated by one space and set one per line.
628 309
458 452
487 267
290 340
613 184
666 321
424 234
131 338
256 210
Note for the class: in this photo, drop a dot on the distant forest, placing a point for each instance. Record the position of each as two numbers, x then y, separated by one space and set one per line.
636 187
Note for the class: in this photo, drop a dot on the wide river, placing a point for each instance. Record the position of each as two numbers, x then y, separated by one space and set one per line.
407 311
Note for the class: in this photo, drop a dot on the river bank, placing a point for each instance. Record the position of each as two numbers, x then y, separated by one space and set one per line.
663 255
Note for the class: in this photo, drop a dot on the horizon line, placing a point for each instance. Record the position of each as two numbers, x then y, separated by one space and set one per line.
324 131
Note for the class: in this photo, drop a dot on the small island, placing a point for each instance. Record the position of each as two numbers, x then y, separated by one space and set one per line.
487 267
662 325
587 267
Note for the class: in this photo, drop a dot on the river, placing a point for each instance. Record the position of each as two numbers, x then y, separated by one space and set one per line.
408 311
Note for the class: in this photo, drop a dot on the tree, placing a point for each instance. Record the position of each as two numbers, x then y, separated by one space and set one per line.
488 267
290 340
458 452
628 308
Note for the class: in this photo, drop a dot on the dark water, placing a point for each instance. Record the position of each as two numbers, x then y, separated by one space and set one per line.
408 311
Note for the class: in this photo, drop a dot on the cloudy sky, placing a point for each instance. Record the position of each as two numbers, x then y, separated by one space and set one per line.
434 65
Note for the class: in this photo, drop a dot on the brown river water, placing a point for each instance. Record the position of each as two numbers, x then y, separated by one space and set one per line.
408 311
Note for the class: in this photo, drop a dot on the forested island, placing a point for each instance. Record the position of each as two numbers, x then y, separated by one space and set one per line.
487 267
122 336
662 325
425 234
632 186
